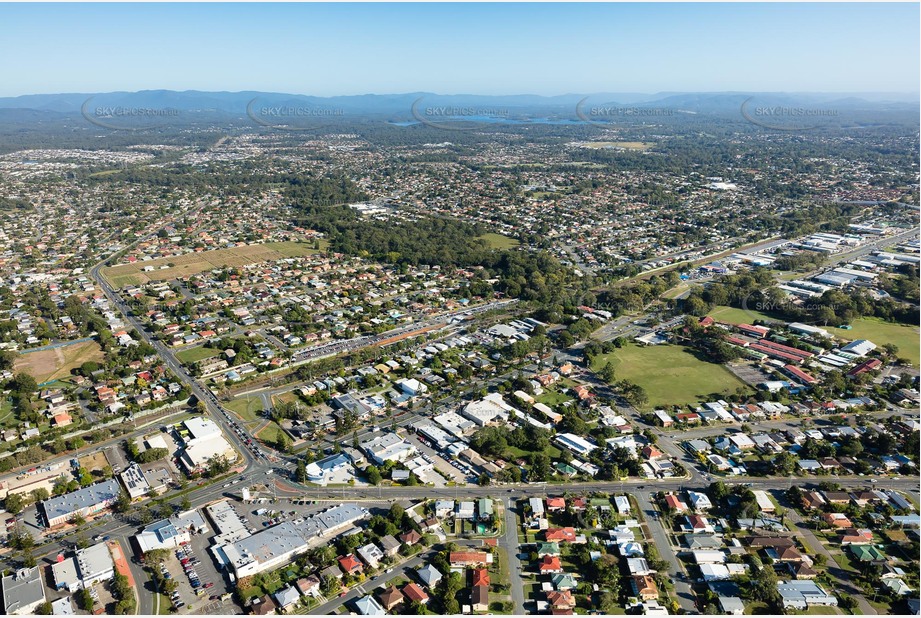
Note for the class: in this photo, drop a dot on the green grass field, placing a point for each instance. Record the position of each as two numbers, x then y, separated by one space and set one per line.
247 408
498 241
670 374
193 355
194 263
731 315
881 333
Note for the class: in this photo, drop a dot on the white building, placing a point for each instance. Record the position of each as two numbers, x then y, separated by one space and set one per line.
87 567
574 443
134 481
388 447
699 501
23 592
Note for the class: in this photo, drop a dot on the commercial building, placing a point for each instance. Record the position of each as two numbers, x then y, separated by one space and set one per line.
83 502
85 568
204 442
171 533
276 545
134 481
388 447
319 472
23 592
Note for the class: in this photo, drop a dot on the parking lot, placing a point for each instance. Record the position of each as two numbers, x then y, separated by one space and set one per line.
749 373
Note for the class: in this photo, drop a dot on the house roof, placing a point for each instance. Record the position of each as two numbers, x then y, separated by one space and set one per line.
480 577
414 592
391 596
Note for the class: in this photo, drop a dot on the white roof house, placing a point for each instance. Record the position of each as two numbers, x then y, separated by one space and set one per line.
576 444
700 501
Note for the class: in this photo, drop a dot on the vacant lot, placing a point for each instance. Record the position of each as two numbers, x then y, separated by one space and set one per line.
731 315
193 355
56 363
194 263
881 333
670 374
247 408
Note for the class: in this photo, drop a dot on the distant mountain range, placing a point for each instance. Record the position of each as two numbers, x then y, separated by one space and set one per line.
236 103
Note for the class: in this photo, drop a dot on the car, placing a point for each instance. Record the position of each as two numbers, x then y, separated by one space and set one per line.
209 584
873 481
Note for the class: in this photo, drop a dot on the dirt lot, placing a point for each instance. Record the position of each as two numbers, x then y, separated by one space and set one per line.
194 263
94 461
56 363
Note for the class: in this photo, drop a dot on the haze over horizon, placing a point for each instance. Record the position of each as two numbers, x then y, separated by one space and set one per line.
540 49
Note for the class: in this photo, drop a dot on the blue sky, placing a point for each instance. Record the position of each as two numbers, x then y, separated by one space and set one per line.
331 49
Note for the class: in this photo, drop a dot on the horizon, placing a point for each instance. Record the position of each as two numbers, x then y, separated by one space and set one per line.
354 49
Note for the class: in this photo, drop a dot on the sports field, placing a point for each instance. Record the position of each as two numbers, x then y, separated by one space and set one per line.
194 263
56 363
670 374
881 333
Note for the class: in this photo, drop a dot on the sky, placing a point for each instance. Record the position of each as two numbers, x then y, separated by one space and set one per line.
545 49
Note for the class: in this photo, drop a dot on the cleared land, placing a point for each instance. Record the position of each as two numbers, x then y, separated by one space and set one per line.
731 315
194 263
498 241
670 374
56 363
881 333
193 355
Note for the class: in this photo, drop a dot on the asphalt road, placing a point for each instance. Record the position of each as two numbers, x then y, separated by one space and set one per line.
509 543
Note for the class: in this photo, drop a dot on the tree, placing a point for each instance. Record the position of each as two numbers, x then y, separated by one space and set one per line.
14 503
217 465
44 609
540 467
607 373
186 504
300 473
374 475
85 599
122 502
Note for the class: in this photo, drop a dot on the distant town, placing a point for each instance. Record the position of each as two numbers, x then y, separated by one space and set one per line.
646 368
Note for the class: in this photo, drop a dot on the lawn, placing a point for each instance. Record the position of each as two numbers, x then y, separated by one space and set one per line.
881 333
498 241
670 374
56 363
731 315
247 408
269 434
552 398
193 355
194 263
